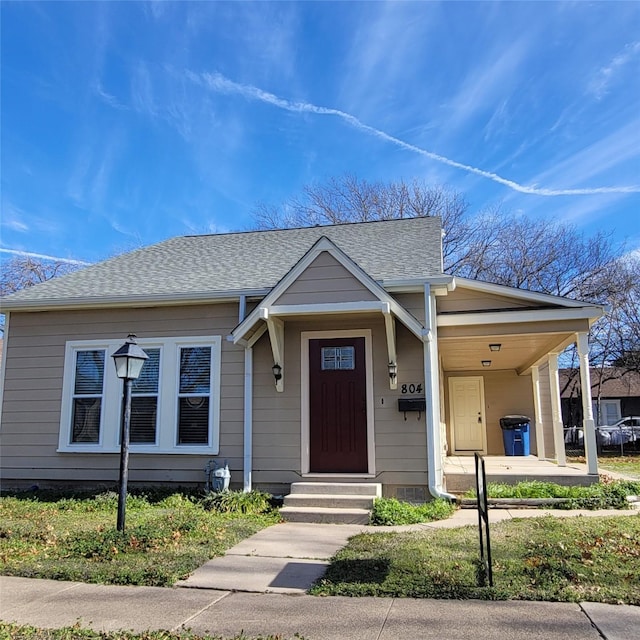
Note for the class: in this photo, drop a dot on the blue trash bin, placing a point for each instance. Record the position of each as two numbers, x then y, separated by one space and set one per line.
515 435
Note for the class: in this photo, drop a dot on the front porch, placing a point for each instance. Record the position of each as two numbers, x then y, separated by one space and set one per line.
459 471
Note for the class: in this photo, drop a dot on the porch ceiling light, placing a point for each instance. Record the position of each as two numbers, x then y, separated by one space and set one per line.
495 347
277 371
486 363
393 371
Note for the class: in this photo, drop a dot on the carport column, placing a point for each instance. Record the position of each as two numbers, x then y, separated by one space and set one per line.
588 423
558 430
535 376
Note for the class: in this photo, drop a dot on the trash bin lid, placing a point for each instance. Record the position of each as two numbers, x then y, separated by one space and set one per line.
510 422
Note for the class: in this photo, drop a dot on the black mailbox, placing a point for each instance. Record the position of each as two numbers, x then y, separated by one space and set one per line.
411 404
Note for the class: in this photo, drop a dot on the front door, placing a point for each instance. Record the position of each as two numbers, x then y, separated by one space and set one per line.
467 413
337 406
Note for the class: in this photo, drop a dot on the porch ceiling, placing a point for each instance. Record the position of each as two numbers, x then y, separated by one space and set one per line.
517 352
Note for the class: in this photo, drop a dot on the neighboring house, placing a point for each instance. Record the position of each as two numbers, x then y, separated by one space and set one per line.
617 390
385 364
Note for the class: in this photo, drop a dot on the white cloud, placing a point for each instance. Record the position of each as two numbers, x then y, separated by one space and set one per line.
41 256
221 84
600 83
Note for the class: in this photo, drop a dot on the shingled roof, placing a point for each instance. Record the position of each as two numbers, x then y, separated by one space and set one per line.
221 264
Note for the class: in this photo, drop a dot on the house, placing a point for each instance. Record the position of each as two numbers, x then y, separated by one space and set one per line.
615 389
325 354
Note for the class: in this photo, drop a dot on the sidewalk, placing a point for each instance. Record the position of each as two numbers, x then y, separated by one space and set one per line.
258 587
48 603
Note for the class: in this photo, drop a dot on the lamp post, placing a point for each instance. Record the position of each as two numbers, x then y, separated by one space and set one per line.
129 359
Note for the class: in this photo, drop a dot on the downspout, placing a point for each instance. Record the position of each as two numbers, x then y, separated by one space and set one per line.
432 397
248 405
248 418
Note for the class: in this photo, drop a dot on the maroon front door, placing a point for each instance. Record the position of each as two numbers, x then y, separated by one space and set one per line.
337 406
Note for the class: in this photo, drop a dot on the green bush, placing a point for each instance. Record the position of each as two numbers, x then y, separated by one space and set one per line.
389 511
251 502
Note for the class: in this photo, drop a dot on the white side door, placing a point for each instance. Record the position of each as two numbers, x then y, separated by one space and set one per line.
467 414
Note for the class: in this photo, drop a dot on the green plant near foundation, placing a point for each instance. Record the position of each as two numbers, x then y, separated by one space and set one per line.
602 495
389 511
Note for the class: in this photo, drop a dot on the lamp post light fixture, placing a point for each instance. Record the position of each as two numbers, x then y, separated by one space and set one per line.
277 371
393 371
129 359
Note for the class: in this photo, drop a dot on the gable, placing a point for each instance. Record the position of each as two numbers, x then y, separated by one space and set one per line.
325 280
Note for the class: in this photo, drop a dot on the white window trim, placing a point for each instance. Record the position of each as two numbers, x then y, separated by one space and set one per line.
167 427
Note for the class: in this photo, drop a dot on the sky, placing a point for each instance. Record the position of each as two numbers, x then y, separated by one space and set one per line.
126 123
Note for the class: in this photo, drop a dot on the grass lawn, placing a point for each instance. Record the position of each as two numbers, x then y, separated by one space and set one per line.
22 632
629 465
553 559
76 539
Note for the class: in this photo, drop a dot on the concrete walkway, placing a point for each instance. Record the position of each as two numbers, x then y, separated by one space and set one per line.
257 588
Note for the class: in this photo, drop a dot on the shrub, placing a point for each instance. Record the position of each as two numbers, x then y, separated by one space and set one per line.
389 511
251 502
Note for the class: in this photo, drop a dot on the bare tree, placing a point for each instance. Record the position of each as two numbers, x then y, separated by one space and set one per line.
494 246
22 272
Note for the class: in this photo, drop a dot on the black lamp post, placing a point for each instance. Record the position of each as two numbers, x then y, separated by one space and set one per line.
128 359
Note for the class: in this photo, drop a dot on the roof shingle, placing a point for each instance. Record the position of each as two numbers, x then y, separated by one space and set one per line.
246 261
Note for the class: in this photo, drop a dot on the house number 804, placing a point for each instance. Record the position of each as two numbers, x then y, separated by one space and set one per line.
411 388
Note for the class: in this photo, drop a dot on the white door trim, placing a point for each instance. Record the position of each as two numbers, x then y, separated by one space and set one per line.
452 414
305 337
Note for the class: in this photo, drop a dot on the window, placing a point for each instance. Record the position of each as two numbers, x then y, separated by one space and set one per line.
144 401
87 396
193 394
334 358
175 404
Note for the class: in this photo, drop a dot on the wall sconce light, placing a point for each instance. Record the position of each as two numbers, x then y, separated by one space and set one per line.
277 371
393 371
495 347
486 363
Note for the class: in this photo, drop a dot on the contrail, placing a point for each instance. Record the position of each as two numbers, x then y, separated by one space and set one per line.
219 83
40 256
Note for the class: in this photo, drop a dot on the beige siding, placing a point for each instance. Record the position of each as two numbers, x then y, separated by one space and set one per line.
325 281
462 299
33 393
560 327
413 303
400 445
505 393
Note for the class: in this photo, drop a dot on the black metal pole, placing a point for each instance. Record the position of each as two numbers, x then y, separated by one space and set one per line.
124 453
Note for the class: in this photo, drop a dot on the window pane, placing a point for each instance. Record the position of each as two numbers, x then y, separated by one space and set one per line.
148 380
193 420
86 420
195 370
89 372
338 358
143 419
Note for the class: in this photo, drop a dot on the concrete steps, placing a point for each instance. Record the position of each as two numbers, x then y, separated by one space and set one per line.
330 502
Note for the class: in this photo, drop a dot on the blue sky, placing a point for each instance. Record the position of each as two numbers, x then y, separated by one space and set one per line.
125 123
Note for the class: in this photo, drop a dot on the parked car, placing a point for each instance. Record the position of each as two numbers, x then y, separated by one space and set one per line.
624 431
